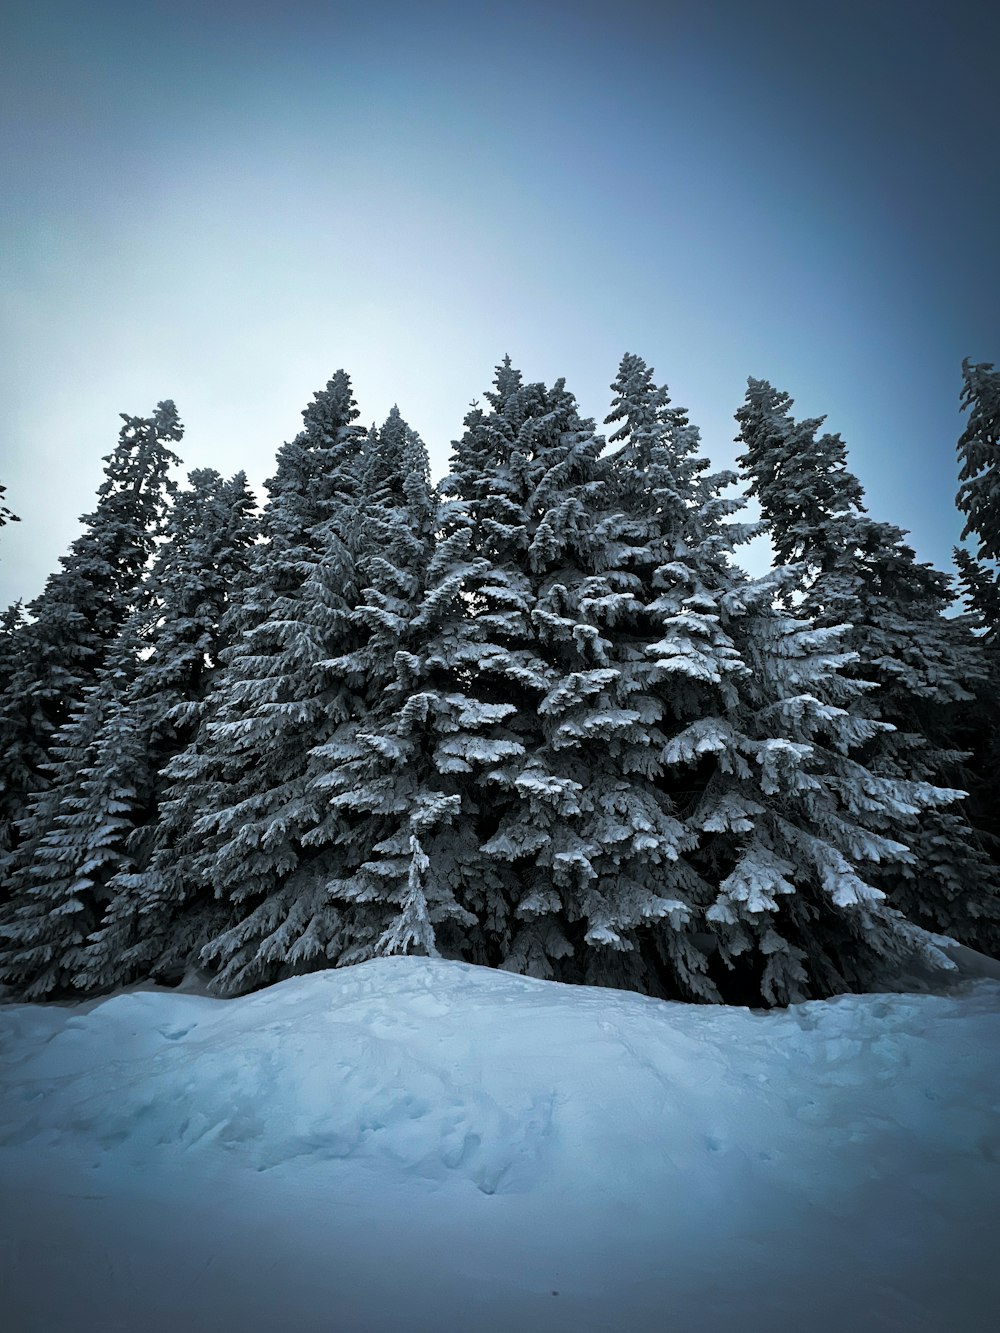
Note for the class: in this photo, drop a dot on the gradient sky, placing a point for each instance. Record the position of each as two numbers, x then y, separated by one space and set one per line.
223 202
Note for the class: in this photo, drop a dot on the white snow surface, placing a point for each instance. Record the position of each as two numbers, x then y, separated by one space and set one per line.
411 1144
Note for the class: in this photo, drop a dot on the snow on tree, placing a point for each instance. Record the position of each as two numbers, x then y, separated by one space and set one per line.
979 455
516 503
203 561
59 651
979 578
22 729
925 665
607 756
386 798
73 835
682 748
233 880
135 717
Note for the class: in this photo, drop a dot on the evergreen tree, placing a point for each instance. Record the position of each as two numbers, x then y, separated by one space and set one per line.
204 560
58 653
376 774
979 577
73 835
924 665
110 756
516 512
979 492
230 880
743 739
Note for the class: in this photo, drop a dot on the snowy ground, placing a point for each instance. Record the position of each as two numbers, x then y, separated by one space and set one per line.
417 1145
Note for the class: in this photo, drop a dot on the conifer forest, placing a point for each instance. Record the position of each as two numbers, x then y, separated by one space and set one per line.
535 717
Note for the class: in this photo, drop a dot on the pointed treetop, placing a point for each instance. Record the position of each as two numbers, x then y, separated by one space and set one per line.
393 451
507 381
332 407
800 478
638 402
166 420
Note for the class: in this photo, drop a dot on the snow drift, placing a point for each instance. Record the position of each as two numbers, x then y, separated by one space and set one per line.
433 1146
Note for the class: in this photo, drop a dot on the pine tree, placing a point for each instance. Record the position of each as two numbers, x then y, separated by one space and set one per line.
232 881
979 492
58 653
377 774
735 741
515 531
979 578
924 665
203 561
73 835
111 755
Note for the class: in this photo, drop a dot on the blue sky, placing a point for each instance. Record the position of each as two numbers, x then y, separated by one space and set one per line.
224 202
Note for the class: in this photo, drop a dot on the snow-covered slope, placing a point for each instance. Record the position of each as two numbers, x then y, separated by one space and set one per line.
421 1145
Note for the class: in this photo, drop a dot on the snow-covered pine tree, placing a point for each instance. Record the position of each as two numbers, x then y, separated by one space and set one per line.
20 724
516 528
232 882
59 651
73 834
462 715
729 830
924 664
386 798
141 709
979 578
198 569
979 493
566 815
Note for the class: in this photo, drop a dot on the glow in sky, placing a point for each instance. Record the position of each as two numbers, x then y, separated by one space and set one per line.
224 202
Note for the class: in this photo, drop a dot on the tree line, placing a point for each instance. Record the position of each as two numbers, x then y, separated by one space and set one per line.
535 717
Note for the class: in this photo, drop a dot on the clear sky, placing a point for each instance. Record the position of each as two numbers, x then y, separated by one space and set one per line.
224 201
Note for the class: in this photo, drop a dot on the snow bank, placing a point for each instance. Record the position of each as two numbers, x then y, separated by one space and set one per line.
421 1145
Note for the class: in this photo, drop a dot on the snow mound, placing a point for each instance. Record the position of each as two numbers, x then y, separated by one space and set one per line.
433 1145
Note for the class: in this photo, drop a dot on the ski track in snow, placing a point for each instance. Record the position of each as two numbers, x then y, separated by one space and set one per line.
433 1146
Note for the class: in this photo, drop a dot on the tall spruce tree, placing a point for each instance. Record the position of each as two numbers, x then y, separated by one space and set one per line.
979 578
925 666
382 792
979 493
57 653
111 755
74 834
231 881
758 879
198 571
